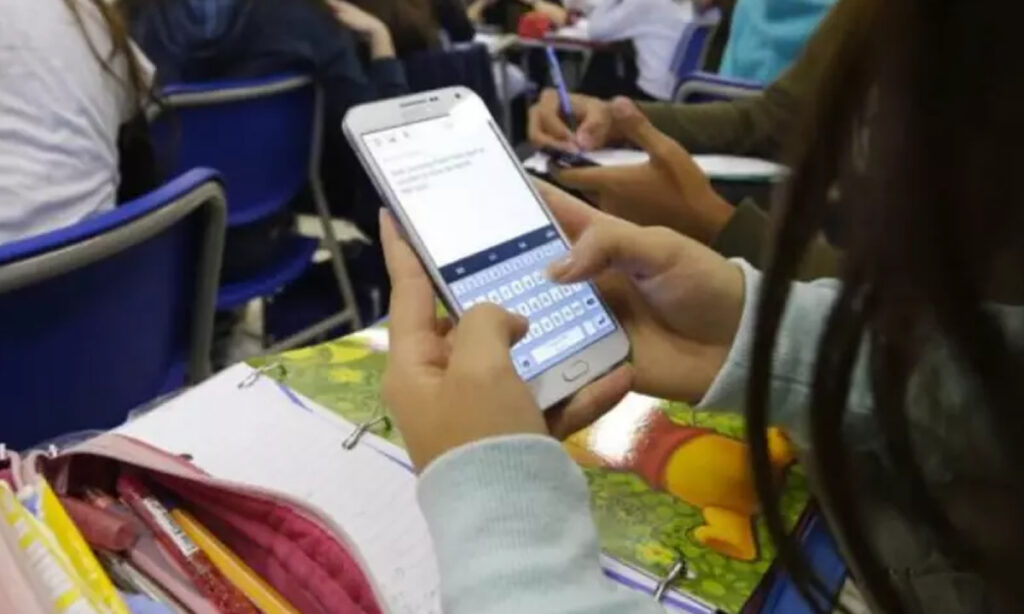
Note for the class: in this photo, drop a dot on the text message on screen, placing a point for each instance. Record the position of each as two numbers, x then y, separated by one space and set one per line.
457 185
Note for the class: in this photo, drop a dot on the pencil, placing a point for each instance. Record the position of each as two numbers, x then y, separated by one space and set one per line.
234 569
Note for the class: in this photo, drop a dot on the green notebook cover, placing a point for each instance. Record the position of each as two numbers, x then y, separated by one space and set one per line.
666 480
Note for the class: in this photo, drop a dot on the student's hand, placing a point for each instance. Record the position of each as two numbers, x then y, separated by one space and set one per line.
668 190
446 388
558 15
594 117
368 26
476 8
679 301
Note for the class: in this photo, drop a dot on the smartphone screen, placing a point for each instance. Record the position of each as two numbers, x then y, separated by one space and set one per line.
486 233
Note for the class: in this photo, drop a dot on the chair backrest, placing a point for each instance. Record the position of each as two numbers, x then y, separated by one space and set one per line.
110 313
262 136
693 43
700 87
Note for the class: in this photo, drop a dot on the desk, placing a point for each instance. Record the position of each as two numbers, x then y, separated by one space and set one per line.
344 376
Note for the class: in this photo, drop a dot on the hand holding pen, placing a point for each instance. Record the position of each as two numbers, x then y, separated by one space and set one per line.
558 80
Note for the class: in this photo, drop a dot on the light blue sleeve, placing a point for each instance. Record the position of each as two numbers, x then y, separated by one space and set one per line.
511 524
767 36
796 350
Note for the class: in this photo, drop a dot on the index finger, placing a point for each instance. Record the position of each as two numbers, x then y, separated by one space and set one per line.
413 307
545 129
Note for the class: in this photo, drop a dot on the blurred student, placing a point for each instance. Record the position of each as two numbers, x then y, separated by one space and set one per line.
505 14
206 40
421 25
653 26
657 193
766 36
69 81
901 379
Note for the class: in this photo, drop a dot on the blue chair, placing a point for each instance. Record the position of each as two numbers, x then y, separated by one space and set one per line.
708 87
693 43
110 313
264 138
695 85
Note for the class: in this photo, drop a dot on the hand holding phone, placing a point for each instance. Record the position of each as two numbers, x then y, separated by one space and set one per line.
482 233
437 403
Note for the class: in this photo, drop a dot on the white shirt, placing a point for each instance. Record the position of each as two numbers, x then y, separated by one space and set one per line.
654 26
60 113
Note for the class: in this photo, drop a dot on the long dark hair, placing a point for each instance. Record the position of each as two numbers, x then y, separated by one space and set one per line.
135 78
932 230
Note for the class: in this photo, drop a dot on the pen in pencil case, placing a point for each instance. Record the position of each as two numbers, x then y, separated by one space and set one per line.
131 580
210 582
102 529
248 581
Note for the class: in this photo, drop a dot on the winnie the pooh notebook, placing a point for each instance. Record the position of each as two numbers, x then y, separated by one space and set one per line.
667 482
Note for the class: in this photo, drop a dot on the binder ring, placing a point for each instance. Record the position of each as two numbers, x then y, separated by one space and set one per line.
678 570
255 376
353 439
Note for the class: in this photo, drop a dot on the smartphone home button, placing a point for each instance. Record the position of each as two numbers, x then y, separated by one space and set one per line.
575 371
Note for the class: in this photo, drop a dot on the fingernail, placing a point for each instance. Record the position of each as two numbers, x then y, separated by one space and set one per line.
558 269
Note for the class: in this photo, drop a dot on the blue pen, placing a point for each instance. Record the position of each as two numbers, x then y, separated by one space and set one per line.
563 93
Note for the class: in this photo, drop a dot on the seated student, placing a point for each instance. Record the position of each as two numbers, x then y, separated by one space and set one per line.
901 379
202 40
656 193
766 36
505 14
69 80
418 26
653 26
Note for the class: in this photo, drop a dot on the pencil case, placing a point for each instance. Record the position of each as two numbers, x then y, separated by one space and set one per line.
296 549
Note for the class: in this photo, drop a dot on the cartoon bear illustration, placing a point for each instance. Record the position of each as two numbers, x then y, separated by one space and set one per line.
702 468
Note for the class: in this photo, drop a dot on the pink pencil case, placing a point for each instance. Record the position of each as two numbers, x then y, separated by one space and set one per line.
297 549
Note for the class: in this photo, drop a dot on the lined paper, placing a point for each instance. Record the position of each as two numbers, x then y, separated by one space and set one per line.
261 437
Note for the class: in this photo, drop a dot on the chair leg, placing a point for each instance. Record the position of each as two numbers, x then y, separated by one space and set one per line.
337 259
350 313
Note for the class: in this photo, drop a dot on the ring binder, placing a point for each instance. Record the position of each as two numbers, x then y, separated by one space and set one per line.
353 439
677 571
255 376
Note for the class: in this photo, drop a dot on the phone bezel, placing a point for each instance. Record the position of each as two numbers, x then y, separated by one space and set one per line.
549 387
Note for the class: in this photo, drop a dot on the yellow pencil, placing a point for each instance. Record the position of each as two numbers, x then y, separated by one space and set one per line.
234 569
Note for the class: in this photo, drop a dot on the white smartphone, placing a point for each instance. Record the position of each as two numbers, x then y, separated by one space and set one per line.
483 233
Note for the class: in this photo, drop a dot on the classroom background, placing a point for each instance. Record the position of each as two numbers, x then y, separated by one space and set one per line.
181 220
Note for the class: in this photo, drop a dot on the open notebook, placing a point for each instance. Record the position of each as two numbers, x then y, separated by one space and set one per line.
268 435
264 435
647 519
